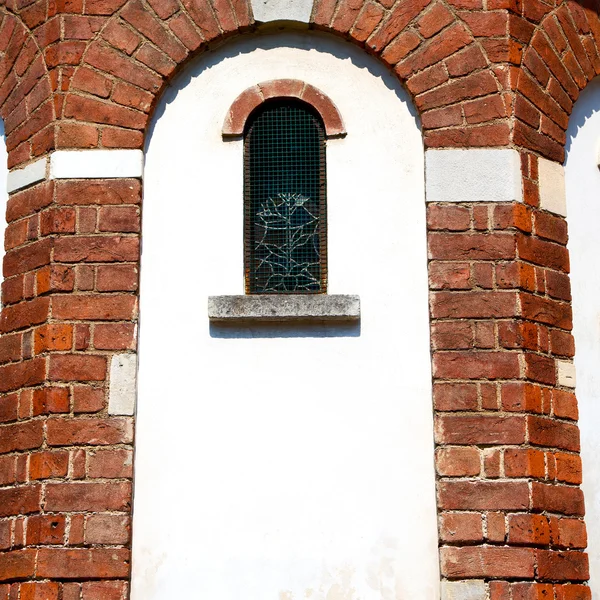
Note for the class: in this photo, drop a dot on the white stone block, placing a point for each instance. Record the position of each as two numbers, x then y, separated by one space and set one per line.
123 384
552 187
92 164
282 10
565 373
473 175
464 590
32 173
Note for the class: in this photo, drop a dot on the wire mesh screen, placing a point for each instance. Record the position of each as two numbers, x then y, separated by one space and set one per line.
284 192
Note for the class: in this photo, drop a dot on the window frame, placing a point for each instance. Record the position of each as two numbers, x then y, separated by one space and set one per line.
249 218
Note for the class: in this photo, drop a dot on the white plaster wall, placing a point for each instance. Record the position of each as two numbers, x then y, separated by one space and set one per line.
284 463
3 195
583 210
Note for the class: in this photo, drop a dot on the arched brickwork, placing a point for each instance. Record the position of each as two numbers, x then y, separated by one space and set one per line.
561 58
254 96
428 44
26 86
507 441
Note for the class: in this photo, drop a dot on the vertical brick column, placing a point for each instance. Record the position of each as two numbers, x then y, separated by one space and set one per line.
66 463
510 506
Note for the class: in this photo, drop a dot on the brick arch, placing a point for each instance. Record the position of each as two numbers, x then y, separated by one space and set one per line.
561 58
252 97
435 49
26 85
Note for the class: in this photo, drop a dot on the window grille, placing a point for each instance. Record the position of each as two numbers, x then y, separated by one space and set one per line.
285 200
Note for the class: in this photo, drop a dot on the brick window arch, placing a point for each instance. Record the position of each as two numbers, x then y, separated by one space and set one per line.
254 96
284 124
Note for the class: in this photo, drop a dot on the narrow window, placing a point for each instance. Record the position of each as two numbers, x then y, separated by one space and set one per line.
285 200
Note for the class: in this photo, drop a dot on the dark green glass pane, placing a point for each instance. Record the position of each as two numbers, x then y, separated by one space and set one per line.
284 193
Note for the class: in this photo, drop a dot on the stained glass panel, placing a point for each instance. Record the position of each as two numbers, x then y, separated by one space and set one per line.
284 191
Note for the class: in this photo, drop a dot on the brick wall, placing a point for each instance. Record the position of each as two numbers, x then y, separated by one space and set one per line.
87 75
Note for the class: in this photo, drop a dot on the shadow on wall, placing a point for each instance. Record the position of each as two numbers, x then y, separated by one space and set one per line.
267 41
282 330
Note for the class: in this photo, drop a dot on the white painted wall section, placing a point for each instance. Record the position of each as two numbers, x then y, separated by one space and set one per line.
474 175
583 202
552 187
91 164
282 10
300 458
21 178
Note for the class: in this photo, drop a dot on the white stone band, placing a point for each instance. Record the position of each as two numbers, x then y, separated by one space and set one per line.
18 179
473 175
78 164
96 164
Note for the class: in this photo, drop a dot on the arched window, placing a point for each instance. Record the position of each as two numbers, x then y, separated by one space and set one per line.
285 199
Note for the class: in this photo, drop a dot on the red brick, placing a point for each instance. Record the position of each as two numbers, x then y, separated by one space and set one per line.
24 315
571 566
449 275
483 495
110 464
48 465
477 246
457 462
451 335
88 400
530 530
551 433
557 499
53 337
94 307
107 529
568 467
76 367
473 305
524 462
460 563
67 432
476 365
81 563
20 500
461 527
87 496
96 249
104 590
117 336
29 257
18 564
544 310
45 529
86 192
117 278
21 436
480 430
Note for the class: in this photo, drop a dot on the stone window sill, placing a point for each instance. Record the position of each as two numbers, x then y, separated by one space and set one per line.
284 308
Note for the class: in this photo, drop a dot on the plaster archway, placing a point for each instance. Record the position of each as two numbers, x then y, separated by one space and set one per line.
302 489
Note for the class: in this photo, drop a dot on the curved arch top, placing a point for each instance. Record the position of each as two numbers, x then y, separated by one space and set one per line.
254 96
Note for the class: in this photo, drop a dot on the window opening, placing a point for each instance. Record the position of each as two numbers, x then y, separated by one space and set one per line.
285 200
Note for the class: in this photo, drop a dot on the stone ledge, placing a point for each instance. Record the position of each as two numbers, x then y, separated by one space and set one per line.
284 307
